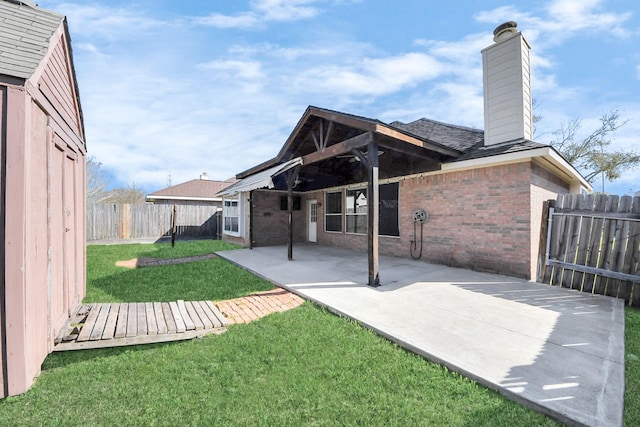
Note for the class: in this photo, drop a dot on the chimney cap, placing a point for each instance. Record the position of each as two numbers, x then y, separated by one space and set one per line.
509 27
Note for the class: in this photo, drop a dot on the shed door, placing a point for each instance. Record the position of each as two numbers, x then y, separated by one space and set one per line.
313 220
59 301
69 200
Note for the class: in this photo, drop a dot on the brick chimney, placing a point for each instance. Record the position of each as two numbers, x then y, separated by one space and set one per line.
507 87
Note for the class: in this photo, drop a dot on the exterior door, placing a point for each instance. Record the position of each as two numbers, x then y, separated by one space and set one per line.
313 220
69 203
58 287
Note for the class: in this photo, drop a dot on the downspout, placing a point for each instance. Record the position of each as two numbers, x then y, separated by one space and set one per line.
3 224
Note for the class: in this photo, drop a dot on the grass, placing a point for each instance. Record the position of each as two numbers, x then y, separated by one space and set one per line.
301 367
212 279
632 367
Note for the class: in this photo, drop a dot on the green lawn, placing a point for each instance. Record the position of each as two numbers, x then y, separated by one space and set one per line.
302 367
632 367
212 279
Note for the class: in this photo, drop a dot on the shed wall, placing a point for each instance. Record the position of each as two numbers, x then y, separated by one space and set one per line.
3 141
44 192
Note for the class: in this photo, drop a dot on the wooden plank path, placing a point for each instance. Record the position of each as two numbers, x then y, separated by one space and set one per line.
121 324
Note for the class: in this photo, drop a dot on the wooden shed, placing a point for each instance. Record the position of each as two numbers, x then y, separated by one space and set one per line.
42 188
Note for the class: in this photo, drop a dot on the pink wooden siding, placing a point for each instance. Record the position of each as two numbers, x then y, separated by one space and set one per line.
3 112
56 85
44 237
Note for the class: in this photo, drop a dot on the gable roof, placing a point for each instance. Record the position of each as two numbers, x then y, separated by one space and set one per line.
347 126
25 34
459 138
196 189
327 141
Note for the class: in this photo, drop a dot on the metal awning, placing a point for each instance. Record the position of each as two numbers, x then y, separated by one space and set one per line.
263 179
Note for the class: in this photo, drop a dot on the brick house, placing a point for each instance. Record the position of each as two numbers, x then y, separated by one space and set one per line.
42 188
433 191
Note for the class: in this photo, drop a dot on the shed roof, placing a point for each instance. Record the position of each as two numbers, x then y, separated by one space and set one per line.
25 34
196 189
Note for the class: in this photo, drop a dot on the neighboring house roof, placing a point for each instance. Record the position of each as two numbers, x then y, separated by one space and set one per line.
196 189
25 35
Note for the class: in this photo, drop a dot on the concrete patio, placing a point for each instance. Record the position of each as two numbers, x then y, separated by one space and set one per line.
554 350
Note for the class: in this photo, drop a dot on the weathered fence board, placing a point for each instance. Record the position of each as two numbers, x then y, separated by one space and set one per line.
593 245
106 221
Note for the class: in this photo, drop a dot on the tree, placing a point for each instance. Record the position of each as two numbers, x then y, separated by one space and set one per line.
97 182
129 195
593 155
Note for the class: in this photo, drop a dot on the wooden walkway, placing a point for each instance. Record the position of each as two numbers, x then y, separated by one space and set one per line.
113 325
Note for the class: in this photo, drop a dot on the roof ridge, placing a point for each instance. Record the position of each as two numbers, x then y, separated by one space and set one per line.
451 125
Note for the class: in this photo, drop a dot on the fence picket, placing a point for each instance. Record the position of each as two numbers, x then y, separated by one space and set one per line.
106 221
595 245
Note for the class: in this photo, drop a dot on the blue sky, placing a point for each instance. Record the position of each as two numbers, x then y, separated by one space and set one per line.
176 88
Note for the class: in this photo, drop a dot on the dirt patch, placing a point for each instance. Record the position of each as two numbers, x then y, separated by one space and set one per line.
153 262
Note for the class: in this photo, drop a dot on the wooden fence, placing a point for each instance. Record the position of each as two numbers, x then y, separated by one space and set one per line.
107 221
592 243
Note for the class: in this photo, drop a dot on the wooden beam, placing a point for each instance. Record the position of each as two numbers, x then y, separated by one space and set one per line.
374 213
290 177
343 147
594 270
383 129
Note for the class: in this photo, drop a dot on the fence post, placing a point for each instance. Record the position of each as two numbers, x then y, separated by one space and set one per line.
173 225
543 247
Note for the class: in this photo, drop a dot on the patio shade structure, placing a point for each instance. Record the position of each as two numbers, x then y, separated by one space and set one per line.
328 149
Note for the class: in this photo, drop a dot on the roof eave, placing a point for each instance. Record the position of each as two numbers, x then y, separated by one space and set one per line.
546 156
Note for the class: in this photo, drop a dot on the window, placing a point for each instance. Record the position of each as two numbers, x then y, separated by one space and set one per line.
284 203
333 211
356 212
231 216
388 220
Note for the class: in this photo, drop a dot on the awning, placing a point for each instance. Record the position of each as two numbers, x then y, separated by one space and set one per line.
263 179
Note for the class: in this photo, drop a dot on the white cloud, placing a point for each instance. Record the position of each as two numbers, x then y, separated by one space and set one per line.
562 19
371 76
285 10
262 11
241 20
111 23
246 70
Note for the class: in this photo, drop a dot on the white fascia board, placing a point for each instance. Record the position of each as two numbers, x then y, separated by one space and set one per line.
547 153
263 179
197 199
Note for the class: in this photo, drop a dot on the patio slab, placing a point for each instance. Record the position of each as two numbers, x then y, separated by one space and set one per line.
557 351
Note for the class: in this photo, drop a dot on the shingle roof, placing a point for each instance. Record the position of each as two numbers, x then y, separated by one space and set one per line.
25 33
196 188
457 137
514 146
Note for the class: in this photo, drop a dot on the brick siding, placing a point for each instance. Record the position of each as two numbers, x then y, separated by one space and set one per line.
485 219
271 225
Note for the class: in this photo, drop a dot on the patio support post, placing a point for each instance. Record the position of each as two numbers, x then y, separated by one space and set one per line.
373 209
291 178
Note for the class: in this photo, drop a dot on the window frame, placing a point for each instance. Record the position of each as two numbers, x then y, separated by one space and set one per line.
355 214
396 226
333 214
225 215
